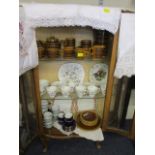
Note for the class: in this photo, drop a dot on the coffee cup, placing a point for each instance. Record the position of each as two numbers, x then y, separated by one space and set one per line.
65 91
92 90
52 90
61 118
80 91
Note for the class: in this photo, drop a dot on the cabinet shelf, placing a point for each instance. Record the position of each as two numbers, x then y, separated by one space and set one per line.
59 96
73 59
55 133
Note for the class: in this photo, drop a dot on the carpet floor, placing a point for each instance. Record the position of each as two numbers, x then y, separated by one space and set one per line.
113 144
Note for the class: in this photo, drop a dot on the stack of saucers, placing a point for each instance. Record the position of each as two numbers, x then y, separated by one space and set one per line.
44 106
48 121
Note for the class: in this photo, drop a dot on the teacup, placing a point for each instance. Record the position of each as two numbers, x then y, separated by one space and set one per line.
68 120
42 90
55 110
72 86
92 90
80 90
44 103
48 125
103 89
65 91
44 83
57 84
44 106
47 115
61 118
68 116
51 90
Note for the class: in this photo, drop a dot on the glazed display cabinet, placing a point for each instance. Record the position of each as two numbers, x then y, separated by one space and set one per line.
74 84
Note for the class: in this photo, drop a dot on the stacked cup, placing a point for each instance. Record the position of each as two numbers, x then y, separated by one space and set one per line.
44 106
69 123
43 84
48 120
55 111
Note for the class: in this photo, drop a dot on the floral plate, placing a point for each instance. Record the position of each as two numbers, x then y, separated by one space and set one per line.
98 74
71 73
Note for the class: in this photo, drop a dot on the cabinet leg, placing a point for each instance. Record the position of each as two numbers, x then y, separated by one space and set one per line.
98 145
44 141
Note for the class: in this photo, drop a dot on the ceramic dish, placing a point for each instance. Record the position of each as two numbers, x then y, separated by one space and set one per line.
98 74
71 72
89 118
84 127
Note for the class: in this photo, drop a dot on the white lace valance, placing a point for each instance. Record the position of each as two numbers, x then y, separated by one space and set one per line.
51 15
48 15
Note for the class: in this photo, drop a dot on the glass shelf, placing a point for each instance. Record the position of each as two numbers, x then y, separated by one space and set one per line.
72 96
73 59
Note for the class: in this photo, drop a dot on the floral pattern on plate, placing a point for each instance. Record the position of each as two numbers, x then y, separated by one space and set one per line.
71 73
98 74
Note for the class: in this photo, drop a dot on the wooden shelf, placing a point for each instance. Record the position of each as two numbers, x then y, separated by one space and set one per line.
55 133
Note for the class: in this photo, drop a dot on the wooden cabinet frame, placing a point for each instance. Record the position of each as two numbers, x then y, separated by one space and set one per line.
44 137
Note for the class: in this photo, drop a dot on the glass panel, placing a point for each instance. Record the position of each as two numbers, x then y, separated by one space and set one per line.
122 104
59 96
74 59
27 114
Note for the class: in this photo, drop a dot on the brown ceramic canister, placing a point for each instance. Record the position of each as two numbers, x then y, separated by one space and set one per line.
98 51
41 49
85 43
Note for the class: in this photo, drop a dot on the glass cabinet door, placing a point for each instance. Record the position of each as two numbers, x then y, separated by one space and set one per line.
122 105
27 113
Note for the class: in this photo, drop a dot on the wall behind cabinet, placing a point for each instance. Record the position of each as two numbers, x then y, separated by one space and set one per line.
126 4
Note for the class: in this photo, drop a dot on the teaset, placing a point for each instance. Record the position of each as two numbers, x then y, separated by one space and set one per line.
66 90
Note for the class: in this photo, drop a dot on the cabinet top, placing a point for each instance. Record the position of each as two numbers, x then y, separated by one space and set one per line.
50 15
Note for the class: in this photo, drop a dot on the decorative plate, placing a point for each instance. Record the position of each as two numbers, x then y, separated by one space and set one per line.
98 74
71 73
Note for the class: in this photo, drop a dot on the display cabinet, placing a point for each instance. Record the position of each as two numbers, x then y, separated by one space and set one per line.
79 84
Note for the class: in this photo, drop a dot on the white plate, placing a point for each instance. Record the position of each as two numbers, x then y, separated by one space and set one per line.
71 73
98 74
